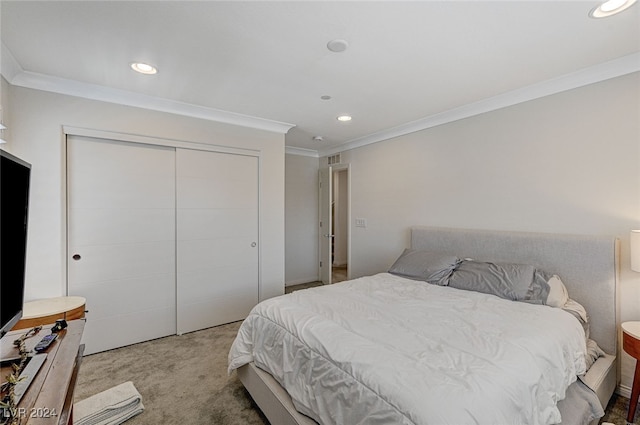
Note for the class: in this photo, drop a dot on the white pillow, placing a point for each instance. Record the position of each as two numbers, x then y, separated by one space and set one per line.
558 294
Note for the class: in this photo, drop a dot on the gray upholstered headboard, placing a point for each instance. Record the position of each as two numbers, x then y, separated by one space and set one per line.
587 265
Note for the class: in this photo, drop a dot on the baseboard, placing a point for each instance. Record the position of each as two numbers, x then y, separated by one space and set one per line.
300 281
624 391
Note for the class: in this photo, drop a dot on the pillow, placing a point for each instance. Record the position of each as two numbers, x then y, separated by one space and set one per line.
517 282
505 280
429 266
558 294
539 288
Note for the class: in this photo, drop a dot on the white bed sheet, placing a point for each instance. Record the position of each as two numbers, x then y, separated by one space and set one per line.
384 349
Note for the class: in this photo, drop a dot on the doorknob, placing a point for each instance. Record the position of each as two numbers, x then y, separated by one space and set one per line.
253 244
76 257
329 236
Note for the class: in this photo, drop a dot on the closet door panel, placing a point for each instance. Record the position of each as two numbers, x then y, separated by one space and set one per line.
115 261
121 239
222 291
231 223
217 238
101 225
203 254
136 288
238 194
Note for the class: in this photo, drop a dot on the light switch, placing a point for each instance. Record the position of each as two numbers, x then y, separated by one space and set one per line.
361 222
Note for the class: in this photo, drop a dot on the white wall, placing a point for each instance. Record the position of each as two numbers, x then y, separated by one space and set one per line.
36 124
567 163
301 219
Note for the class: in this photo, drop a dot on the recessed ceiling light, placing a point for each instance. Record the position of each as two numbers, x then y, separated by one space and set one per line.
337 45
611 7
344 118
318 138
144 68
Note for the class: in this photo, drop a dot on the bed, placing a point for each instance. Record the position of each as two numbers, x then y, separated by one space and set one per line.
337 377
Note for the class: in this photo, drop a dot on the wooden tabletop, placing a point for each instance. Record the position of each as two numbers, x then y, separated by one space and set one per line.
51 306
632 329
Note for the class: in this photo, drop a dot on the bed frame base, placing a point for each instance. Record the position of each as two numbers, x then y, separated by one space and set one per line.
272 399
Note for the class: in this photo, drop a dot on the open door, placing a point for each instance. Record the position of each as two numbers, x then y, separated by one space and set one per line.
325 225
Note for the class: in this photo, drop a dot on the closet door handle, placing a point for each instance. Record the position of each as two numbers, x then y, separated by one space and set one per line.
76 257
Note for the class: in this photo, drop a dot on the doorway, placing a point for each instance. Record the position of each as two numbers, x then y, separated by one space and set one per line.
340 221
334 229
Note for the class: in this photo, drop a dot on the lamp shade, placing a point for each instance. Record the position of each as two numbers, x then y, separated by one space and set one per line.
635 250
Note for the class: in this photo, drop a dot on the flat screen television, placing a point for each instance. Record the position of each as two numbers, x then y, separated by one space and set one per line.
15 176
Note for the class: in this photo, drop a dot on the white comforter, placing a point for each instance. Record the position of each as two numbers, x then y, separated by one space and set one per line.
388 350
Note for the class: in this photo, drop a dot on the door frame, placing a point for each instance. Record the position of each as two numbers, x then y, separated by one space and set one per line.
326 207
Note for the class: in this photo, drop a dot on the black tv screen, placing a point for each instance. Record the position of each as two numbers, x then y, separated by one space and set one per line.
15 177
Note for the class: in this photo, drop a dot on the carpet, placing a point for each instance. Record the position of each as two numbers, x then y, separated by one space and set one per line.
616 412
183 380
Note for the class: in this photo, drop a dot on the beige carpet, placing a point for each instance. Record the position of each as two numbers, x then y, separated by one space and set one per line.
183 380
616 412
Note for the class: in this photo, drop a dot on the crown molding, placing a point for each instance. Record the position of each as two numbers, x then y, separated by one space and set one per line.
37 81
291 150
594 74
16 76
9 66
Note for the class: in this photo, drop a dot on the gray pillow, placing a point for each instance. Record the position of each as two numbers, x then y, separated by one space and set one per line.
429 266
505 280
539 289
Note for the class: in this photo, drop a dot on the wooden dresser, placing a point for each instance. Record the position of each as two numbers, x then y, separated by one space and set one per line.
49 398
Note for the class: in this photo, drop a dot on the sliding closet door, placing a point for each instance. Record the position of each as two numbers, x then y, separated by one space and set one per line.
217 238
121 239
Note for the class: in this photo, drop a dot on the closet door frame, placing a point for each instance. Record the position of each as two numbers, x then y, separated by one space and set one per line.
132 138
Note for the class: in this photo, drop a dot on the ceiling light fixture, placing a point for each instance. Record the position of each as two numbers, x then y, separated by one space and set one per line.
318 138
611 7
325 97
344 118
144 68
337 45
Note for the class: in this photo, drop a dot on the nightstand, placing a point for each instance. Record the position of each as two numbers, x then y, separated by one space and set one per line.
631 344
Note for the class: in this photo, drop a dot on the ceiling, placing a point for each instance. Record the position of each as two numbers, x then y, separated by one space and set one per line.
408 65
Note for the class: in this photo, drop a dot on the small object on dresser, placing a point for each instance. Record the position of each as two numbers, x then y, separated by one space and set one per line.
45 342
60 325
